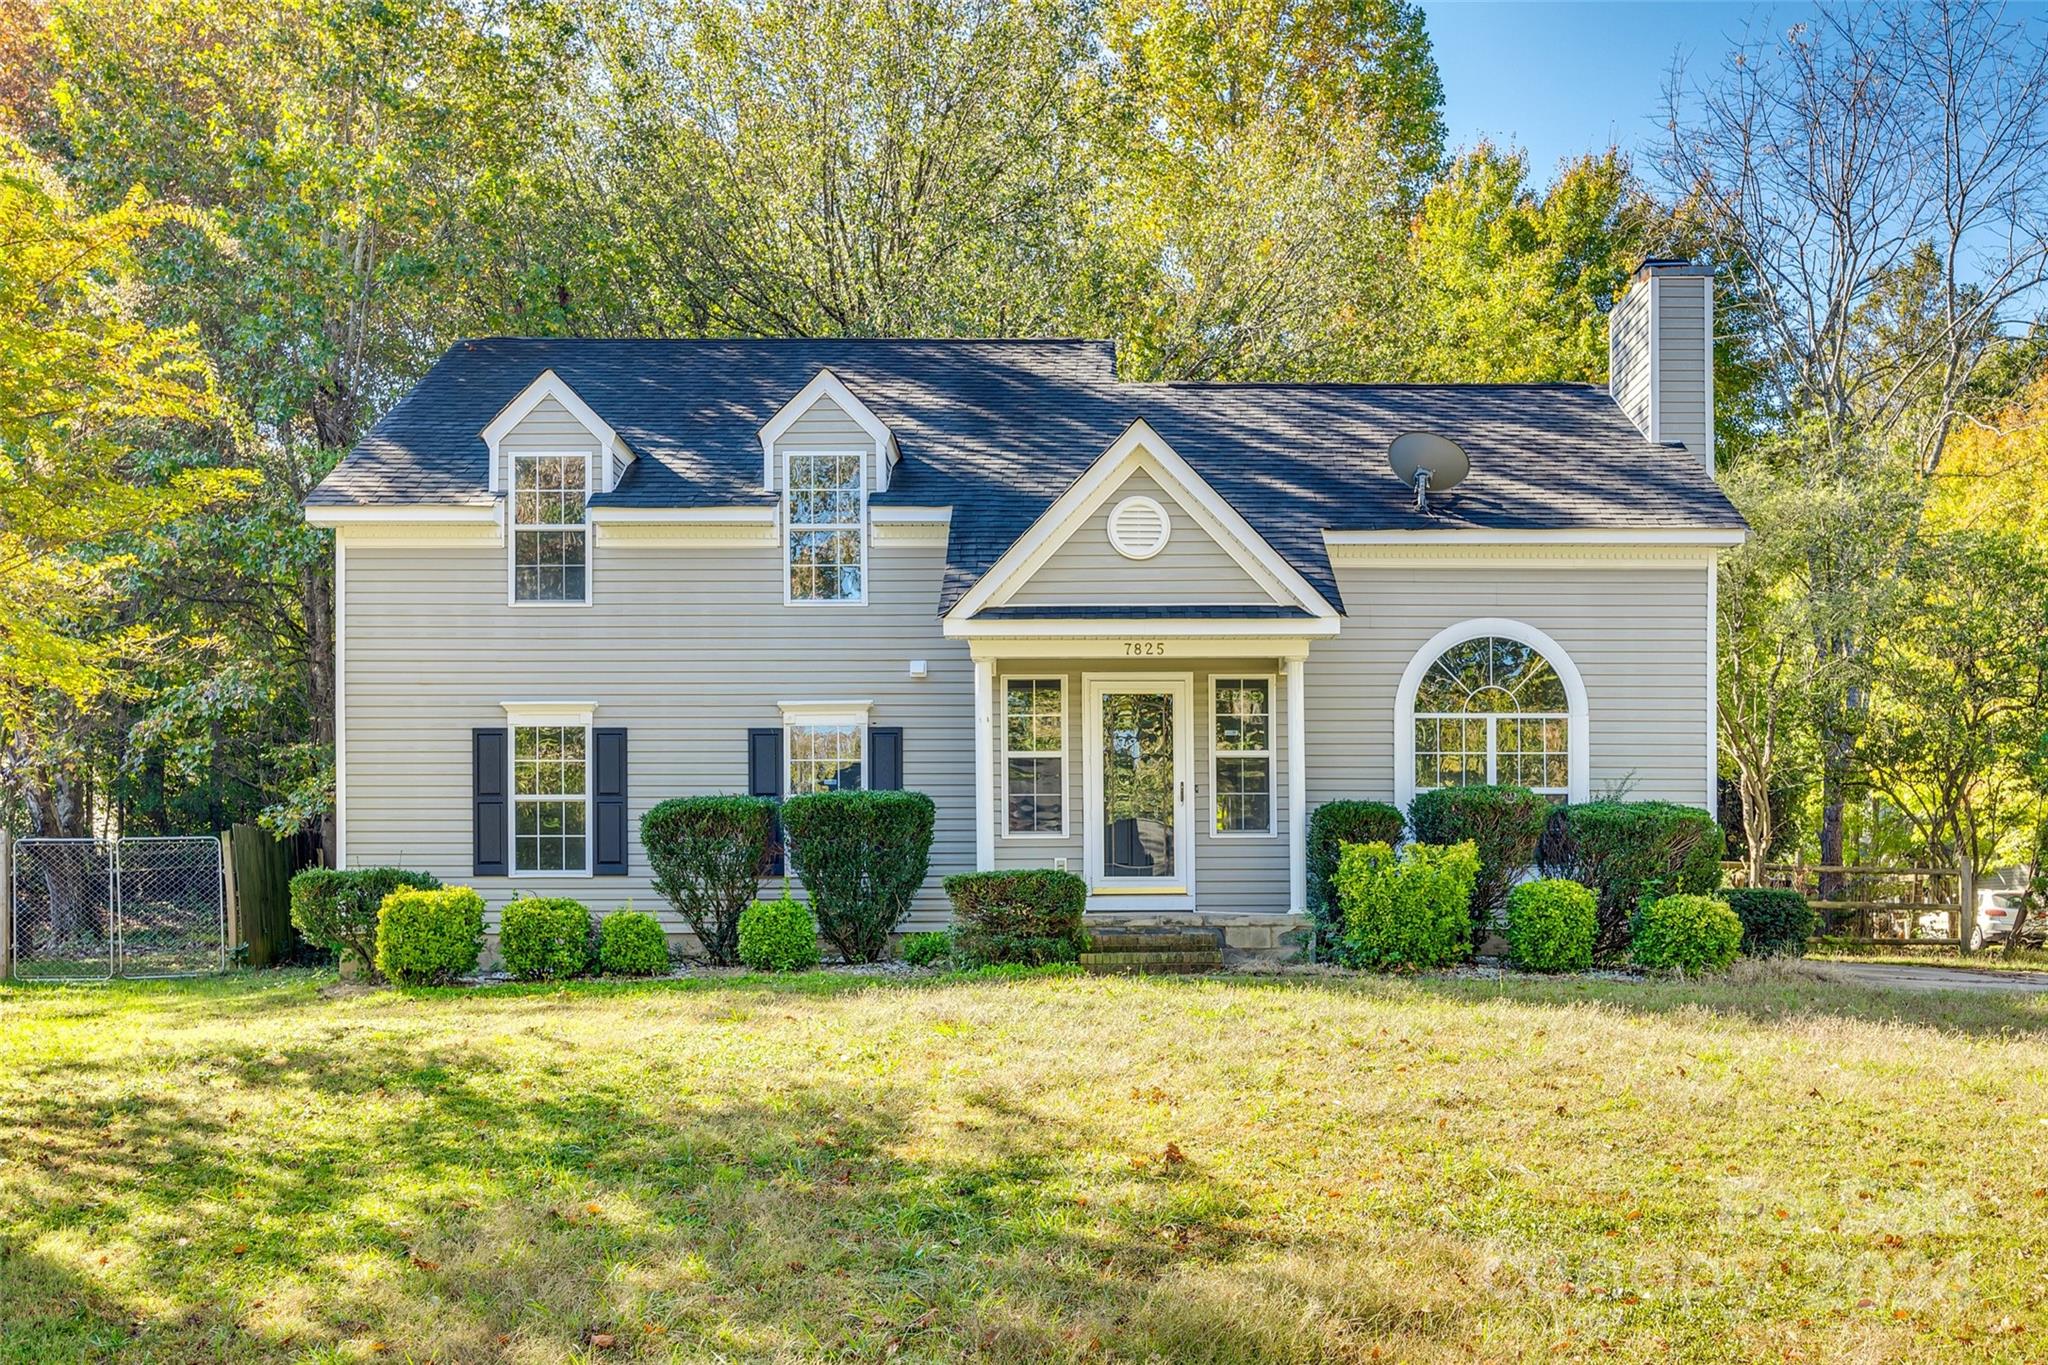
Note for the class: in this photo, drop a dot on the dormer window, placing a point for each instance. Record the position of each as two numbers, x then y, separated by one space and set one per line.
824 516
550 529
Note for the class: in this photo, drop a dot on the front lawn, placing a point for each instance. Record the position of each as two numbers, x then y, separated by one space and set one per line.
1052 1167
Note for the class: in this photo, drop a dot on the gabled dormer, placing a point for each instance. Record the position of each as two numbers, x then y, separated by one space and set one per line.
550 417
550 454
825 414
825 453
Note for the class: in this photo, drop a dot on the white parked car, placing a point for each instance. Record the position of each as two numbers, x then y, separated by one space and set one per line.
1996 912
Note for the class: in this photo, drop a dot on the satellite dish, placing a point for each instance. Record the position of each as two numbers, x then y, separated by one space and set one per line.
1425 461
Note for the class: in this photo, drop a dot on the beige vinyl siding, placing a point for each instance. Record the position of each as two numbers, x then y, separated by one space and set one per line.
687 649
1637 634
1682 360
1232 874
1193 570
550 429
1628 379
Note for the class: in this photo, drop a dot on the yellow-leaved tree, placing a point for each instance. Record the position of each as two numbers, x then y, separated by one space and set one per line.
84 388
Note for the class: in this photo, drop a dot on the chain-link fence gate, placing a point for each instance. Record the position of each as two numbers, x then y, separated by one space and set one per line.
87 909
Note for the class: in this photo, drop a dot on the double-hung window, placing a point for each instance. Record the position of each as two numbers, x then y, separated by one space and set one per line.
1241 756
1035 755
550 797
825 754
824 513
550 528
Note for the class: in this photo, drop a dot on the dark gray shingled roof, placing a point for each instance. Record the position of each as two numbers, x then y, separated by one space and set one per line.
996 430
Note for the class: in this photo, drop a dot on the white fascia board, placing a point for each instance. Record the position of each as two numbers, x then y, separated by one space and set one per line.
1213 627
826 384
1701 536
1072 508
551 385
706 516
322 514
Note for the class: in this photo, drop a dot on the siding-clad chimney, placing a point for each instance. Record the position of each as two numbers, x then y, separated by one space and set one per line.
1660 354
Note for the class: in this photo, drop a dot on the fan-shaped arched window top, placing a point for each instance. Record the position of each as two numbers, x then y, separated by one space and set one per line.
1493 710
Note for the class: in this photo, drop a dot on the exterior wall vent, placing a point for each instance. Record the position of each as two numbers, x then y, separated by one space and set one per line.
1139 527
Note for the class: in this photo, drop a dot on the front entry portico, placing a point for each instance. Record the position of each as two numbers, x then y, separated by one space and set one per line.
1139 656
1172 780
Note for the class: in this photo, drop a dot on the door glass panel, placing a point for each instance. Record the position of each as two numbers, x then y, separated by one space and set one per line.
1138 785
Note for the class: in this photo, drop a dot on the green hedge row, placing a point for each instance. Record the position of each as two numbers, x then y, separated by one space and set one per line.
1028 917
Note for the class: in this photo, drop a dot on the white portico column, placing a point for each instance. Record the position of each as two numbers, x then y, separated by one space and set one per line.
1297 786
984 765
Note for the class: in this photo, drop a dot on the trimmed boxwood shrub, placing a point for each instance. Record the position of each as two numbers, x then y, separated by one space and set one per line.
631 943
1029 917
542 937
1686 933
1776 921
778 936
428 938
1504 824
1551 925
1631 850
337 908
862 856
1406 910
1331 825
707 853
925 950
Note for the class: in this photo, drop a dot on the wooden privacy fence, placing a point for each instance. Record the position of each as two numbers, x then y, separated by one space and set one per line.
259 873
1872 904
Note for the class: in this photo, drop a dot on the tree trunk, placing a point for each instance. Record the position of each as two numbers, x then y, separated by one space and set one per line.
1833 772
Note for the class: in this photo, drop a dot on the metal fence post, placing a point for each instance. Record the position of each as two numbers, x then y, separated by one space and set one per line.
6 906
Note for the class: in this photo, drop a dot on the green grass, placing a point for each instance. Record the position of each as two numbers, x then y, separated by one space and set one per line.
1031 1168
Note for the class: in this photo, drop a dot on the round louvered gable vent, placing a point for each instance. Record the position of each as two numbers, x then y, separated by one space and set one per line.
1138 527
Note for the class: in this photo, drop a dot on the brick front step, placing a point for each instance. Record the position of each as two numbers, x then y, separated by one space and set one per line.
1154 961
1153 941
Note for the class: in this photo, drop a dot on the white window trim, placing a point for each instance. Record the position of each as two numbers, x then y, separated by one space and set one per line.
1578 739
558 715
1271 755
1003 829
513 526
788 528
804 714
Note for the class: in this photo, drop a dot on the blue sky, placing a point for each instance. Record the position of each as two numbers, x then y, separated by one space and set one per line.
1565 78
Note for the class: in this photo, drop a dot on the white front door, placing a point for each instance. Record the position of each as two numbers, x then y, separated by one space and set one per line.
1140 762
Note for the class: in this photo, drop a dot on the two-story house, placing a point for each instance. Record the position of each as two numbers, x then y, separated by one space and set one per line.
1135 630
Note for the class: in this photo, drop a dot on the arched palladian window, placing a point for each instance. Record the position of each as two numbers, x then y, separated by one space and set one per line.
1492 709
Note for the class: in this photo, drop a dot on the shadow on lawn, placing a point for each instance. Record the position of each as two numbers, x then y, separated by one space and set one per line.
448 1213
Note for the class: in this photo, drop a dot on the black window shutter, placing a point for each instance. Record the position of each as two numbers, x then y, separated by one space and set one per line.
489 774
764 778
885 758
608 795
